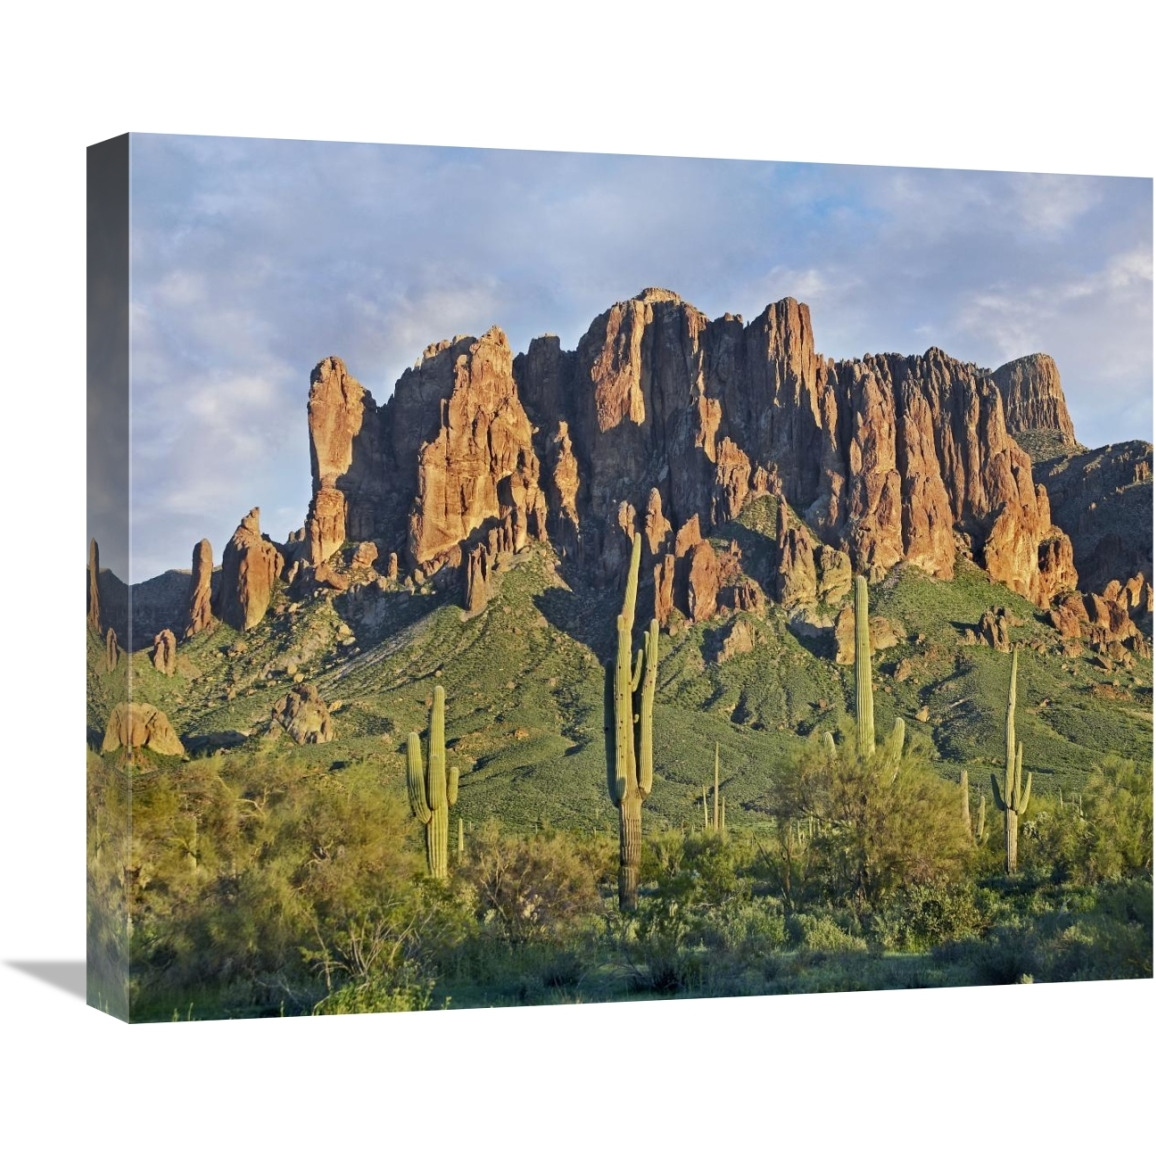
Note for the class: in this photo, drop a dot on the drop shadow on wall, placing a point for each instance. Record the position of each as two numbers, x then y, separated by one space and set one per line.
67 975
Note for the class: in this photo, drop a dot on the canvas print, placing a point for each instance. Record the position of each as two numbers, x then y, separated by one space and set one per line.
525 577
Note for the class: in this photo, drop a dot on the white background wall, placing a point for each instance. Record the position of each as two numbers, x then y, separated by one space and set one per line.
983 85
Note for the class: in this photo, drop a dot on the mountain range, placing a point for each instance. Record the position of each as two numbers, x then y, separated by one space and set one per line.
494 487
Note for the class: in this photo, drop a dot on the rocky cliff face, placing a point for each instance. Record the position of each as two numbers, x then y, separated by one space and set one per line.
1102 499
888 459
446 459
1034 405
663 418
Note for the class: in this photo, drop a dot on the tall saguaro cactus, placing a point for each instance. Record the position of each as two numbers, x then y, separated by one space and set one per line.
864 700
630 733
431 791
716 827
1014 798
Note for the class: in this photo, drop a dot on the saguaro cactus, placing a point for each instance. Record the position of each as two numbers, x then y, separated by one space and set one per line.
716 819
864 700
431 791
1014 798
630 734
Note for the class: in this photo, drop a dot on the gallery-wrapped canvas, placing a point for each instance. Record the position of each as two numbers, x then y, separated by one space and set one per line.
469 624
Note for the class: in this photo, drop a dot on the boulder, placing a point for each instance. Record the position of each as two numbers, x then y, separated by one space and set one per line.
993 630
365 556
137 724
738 638
303 715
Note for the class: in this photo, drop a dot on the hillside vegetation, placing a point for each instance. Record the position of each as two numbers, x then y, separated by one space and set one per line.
271 878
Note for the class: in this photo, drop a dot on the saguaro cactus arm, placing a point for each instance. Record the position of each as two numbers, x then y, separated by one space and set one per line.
1010 731
615 778
415 779
893 747
716 803
645 728
1023 790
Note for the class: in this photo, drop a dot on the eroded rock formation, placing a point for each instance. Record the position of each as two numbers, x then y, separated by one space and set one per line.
303 715
93 586
250 566
201 590
1035 409
478 565
667 422
164 654
137 724
1102 499
883 633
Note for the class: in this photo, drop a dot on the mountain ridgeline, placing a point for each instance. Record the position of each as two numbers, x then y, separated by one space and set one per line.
667 422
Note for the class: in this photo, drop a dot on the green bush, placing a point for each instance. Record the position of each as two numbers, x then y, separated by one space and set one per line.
922 916
822 934
403 992
542 887
875 826
1103 836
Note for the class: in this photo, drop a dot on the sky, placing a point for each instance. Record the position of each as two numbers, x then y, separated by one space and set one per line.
251 260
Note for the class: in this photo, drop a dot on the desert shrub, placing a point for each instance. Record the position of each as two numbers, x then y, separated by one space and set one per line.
527 889
1010 954
273 881
924 915
875 825
659 949
1105 836
697 868
748 928
1066 933
822 933
406 990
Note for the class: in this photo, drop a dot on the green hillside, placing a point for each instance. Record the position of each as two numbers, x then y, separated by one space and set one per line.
523 680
